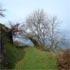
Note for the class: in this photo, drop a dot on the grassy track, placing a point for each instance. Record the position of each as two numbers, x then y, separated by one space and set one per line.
35 59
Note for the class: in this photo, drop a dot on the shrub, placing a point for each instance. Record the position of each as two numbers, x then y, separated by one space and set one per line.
63 60
11 56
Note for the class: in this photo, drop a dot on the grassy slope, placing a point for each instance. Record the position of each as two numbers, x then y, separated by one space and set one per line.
36 59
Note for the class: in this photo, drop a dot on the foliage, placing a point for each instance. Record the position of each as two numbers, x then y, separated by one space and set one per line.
12 55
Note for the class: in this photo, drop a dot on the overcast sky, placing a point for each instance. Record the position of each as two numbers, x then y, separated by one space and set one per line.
18 10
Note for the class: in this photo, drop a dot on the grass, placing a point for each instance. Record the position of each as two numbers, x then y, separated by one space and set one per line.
36 59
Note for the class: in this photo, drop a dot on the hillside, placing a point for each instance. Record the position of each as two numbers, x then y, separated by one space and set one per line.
37 59
28 58
12 56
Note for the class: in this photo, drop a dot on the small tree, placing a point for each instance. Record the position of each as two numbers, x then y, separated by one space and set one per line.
14 30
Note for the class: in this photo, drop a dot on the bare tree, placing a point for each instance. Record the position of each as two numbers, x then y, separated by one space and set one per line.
14 28
1 11
41 30
54 35
36 28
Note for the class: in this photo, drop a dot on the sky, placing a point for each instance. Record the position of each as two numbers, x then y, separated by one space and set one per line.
18 10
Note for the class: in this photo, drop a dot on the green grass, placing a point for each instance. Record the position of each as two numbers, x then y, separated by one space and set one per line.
35 59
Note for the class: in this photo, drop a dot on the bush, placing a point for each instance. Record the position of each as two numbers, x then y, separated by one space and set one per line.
11 56
63 59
